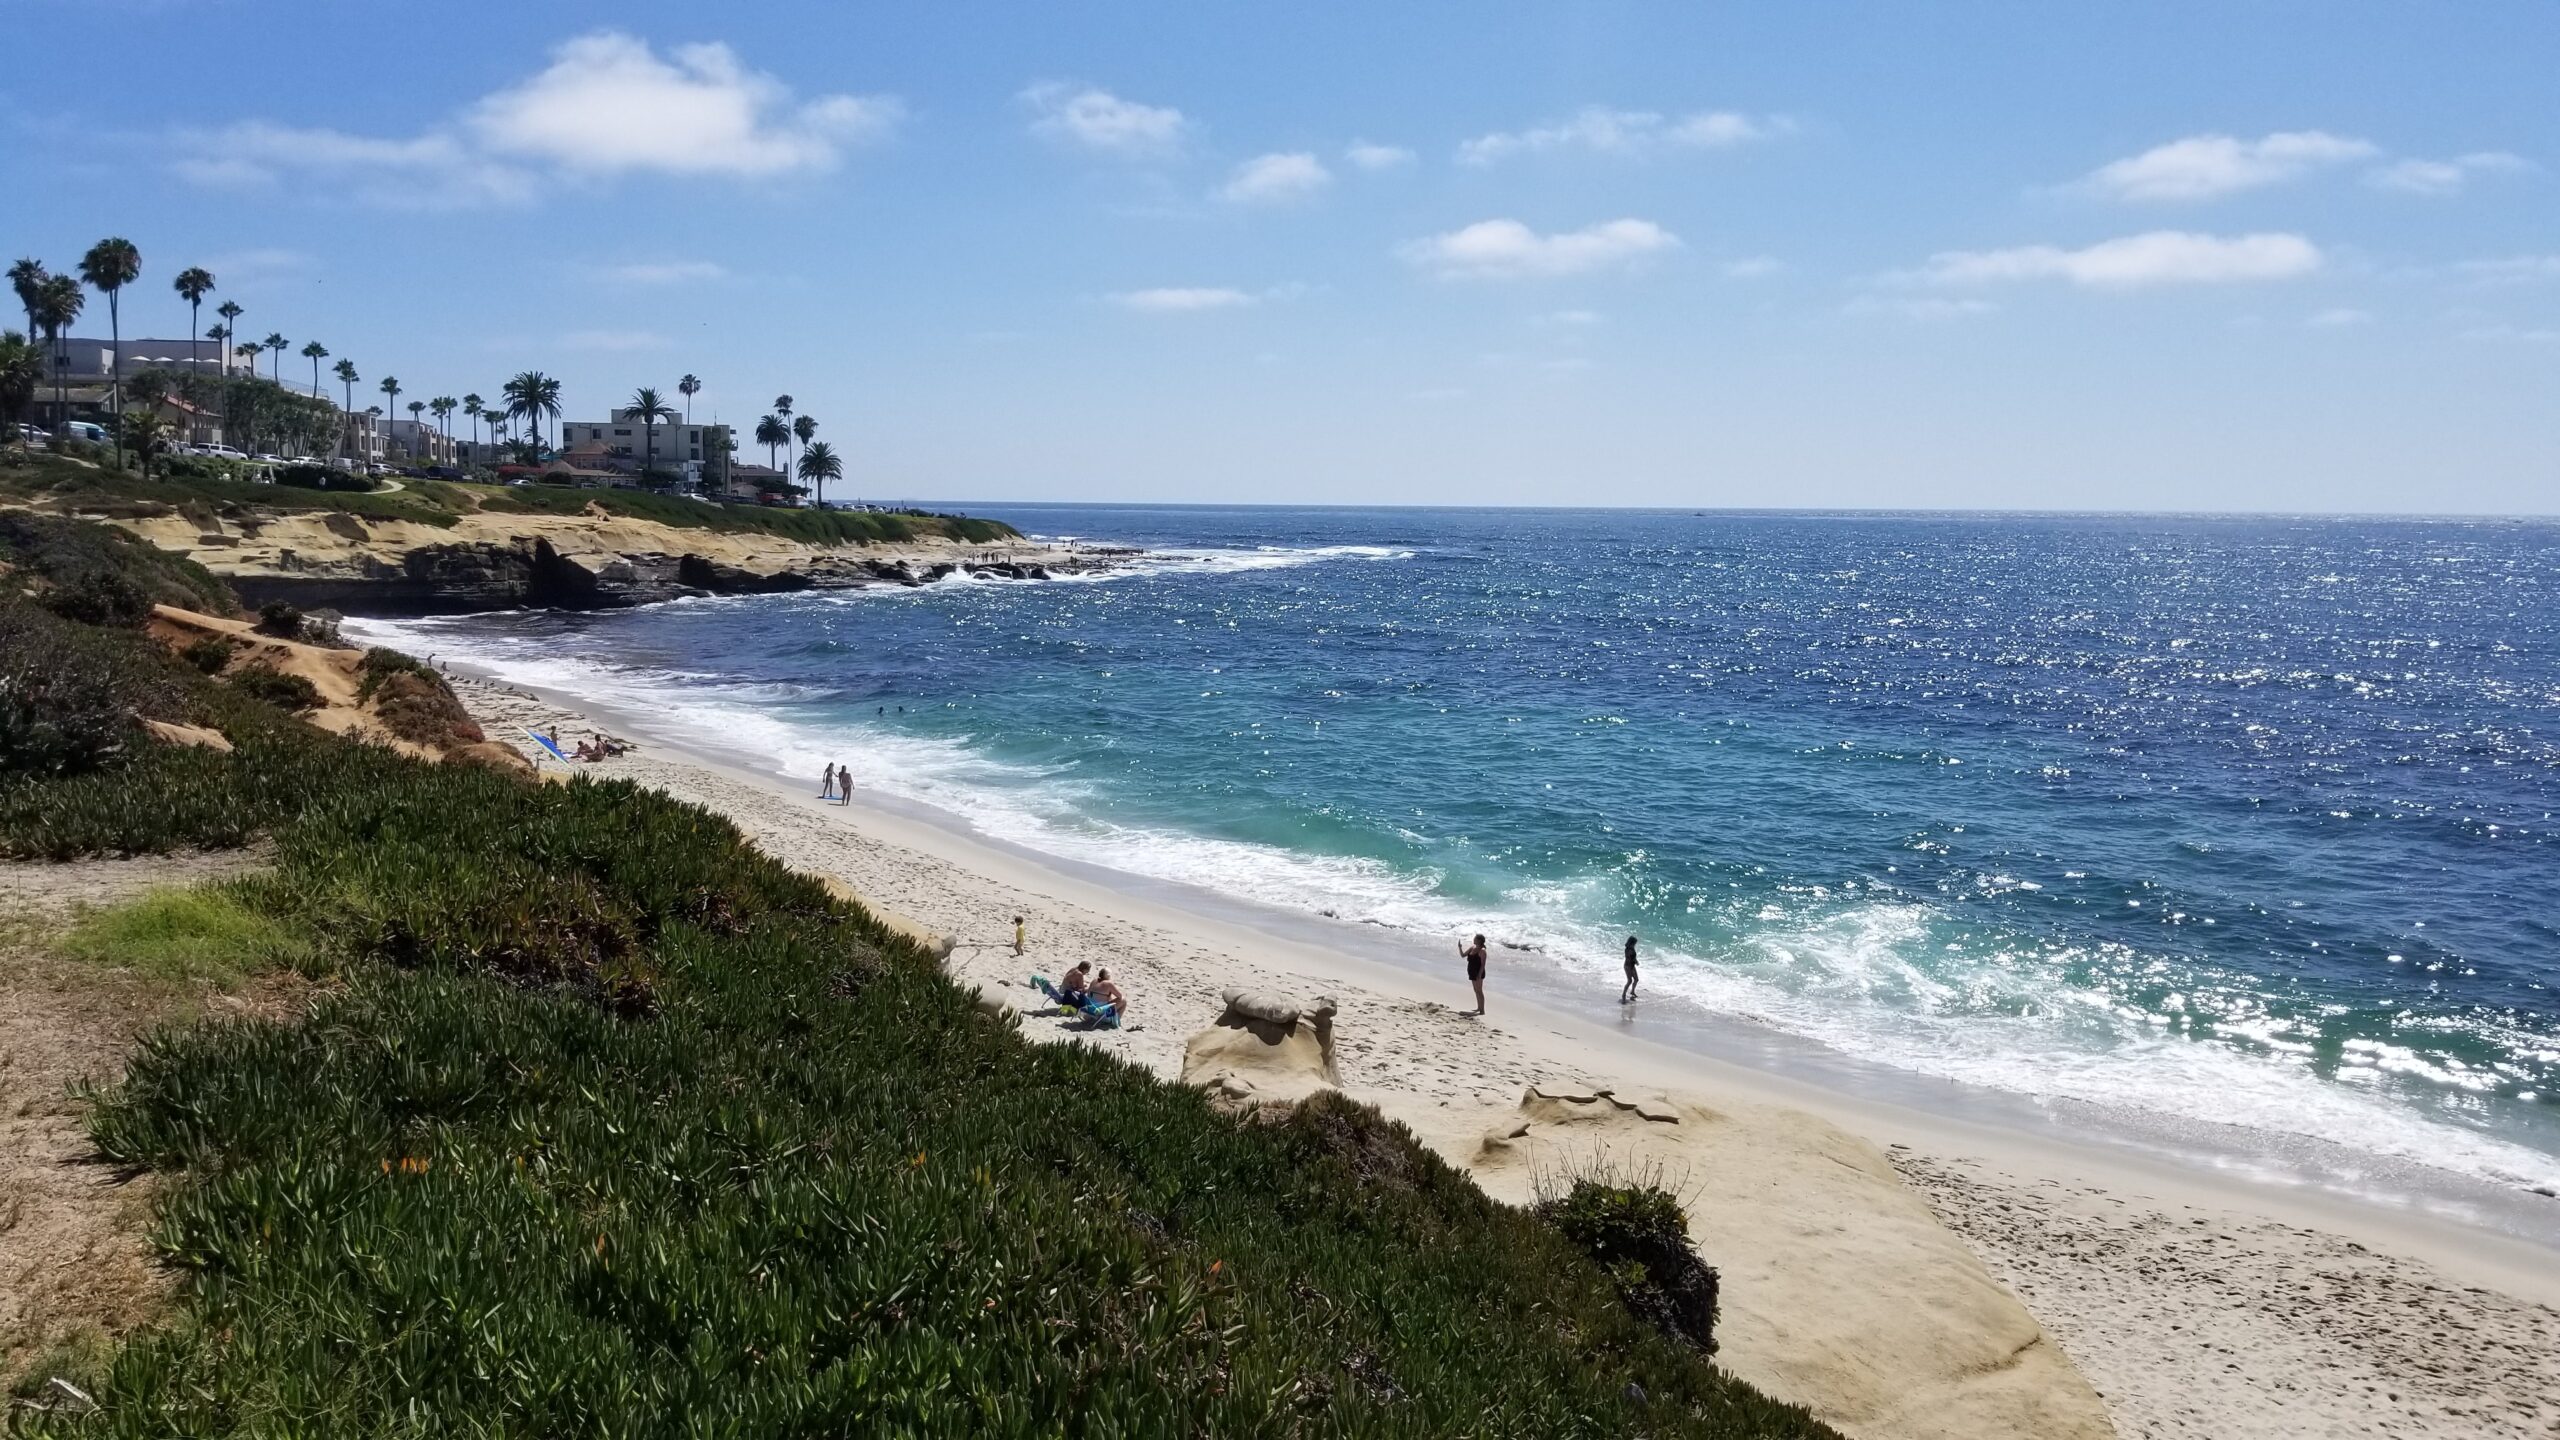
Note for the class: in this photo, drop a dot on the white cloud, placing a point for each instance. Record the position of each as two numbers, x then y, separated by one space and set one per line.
609 105
1571 319
2202 167
661 272
1752 267
1279 179
1367 156
1184 299
2160 257
2339 318
2512 269
1098 120
1623 132
614 341
1509 250
2445 177
2513 334
428 172
1918 307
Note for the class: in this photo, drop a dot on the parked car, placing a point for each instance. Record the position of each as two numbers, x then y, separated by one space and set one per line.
265 457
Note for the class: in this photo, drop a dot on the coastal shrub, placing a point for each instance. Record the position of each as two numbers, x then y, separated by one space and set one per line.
64 553
278 688
97 597
323 477
280 619
209 653
1640 1237
69 694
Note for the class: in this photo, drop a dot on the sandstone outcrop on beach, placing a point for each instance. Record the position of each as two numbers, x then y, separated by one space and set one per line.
1841 1291
589 561
1264 1050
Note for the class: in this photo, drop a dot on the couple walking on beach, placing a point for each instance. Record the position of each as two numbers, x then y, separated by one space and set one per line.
1473 953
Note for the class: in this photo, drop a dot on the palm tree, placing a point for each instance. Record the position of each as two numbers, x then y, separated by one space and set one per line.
111 265
471 407
390 388
27 277
818 465
782 407
276 345
417 427
315 352
802 428
229 310
58 302
772 434
648 409
443 406
533 395
21 371
345 370
193 284
688 387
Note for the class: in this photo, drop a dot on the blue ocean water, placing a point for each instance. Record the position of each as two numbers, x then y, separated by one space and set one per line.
2244 821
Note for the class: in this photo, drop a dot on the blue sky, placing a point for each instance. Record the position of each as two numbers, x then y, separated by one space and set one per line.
2242 255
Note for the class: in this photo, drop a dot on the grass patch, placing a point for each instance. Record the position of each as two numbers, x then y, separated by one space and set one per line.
214 933
81 1357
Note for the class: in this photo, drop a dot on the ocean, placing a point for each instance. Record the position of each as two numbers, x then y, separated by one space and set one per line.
2241 823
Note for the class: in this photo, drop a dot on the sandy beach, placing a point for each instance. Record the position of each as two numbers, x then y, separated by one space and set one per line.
2193 1304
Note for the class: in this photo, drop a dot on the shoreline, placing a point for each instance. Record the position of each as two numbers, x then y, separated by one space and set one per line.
2294 1311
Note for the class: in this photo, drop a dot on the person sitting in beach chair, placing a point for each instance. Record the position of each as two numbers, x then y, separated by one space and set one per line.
587 753
1104 1002
1069 991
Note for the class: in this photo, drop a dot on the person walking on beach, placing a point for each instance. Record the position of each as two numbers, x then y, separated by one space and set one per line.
844 784
1017 934
827 786
1474 956
1628 995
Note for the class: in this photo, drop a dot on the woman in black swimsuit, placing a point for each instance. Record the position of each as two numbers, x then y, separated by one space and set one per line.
1628 995
1474 955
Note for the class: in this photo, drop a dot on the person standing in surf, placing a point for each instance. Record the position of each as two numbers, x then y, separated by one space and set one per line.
1474 956
1628 995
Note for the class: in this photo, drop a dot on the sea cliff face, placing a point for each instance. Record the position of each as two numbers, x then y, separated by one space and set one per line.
584 562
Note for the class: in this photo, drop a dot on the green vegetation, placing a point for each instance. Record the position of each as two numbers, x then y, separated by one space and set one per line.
276 687
111 494
62 554
218 933
615 1126
1636 1230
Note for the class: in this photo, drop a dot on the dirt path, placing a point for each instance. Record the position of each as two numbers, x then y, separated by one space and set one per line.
75 1259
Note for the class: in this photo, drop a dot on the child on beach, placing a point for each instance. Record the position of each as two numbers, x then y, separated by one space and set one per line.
1628 995
1017 934
1474 956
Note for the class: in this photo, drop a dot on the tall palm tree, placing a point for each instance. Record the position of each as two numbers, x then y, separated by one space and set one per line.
58 302
417 427
229 310
443 405
21 371
647 408
533 395
315 352
802 429
688 387
276 346
782 407
111 265
345 370
390 388
772 434
818 465
250 350
193 284
471 407
27 277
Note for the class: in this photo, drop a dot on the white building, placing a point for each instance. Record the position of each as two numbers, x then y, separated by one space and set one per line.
622 443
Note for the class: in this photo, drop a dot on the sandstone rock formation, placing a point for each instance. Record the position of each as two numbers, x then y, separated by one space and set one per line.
1264 1050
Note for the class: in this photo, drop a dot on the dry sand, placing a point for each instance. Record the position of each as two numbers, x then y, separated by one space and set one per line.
2195 1305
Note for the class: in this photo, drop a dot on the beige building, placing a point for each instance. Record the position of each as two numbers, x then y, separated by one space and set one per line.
622 442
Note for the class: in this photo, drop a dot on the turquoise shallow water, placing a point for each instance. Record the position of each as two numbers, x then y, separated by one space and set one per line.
2244 821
